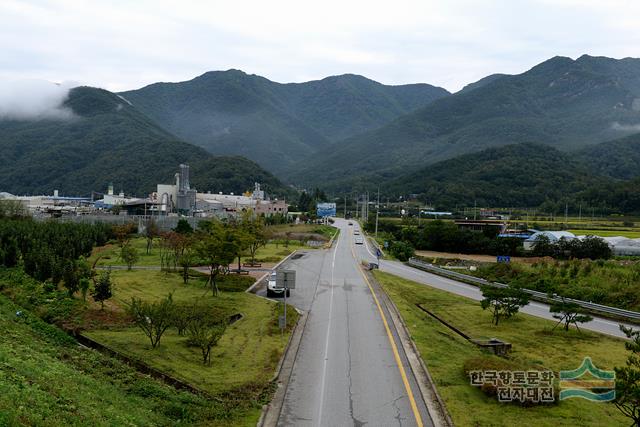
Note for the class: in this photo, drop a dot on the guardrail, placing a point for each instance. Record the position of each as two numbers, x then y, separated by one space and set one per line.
627 314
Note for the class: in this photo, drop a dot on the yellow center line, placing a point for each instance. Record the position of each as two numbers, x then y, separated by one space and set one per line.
396 354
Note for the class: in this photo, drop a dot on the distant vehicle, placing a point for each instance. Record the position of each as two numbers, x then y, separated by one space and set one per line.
273 290
356 232
350 223
359 240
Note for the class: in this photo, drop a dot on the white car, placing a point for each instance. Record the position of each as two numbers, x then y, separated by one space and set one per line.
356 232
273 290
359 240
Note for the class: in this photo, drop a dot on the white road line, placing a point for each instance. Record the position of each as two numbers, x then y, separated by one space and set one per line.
326 344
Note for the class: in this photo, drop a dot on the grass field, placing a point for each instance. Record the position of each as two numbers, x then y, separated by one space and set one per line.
46 379
242 363
110 254
534 347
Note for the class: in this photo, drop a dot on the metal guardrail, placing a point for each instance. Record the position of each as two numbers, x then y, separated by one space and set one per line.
414 262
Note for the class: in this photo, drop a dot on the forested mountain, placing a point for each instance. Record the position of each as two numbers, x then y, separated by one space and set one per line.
277 125
619 158
518 175
568 104
106 141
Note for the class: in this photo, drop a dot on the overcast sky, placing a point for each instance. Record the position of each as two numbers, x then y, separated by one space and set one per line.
124 44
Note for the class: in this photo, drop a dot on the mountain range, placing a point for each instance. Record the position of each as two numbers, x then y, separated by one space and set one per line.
277 125
566 124
567 104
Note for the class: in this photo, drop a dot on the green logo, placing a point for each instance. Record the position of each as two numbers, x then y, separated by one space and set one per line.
600 387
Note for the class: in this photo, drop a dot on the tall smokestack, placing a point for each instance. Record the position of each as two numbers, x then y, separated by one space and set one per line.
184 177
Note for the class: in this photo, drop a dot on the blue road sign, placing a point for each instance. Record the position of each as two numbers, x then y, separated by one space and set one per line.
503 258
326 209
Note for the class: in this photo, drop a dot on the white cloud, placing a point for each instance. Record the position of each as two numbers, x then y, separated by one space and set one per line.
120 44
34 99
625 127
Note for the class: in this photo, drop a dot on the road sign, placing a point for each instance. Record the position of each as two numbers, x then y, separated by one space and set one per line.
326 209
503 258
281 322
286 279
378 253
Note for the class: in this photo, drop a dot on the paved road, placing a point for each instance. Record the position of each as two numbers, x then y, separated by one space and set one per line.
350 369
598 324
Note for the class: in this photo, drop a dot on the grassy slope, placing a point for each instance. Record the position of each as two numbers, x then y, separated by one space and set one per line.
48 380
534 346
245 358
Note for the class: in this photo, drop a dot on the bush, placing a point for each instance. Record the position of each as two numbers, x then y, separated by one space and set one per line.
402 250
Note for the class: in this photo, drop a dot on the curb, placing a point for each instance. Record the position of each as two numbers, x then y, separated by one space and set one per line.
329 244
271 412
432 399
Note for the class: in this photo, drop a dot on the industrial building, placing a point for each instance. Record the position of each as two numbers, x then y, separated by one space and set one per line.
176 198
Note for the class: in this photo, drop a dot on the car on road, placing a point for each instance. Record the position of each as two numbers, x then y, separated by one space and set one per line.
273 290
350 223
356 232
359 240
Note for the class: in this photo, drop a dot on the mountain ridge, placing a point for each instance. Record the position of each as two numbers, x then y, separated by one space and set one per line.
231 112
109 140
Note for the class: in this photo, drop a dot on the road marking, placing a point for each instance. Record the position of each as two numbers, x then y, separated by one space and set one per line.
396 354
326 344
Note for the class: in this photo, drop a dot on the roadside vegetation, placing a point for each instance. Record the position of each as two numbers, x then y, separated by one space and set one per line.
613 282
226 343
536 346
47 379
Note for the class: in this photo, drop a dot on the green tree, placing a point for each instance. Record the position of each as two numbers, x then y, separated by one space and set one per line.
628 378
401 250
205 331
151 231
183 227
215 248
568 313
187 259
181 316
123 233
153 318
75 272
129 255
102 289
257 234
503 302
543 247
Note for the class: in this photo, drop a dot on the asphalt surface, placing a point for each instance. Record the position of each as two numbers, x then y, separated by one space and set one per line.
366 252
350 369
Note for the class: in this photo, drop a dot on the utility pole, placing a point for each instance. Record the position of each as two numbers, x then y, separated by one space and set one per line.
580 213
566 213
474 209
377 211
345 206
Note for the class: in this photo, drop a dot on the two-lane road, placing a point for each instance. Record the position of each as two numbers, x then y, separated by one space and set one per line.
350 368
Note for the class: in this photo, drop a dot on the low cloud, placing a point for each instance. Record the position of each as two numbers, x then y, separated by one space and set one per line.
34 100
625 127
